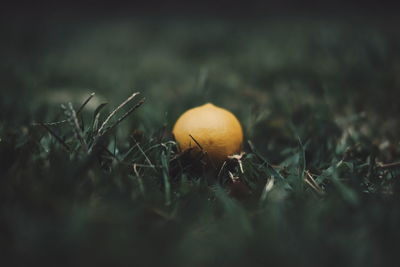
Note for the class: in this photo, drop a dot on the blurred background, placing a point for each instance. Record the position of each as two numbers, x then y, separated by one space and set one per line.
256 58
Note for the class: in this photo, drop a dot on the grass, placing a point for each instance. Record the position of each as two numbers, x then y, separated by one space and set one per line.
318 184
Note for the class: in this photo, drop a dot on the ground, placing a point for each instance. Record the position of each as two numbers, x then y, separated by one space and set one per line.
318 184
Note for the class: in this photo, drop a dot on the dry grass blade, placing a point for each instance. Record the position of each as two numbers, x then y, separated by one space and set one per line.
267 188
147 166
197 143
158 145
132 109
49 123
238 158
73 120
233 177
112 114
389 165
63 121
139 178
85 103
145 156
312 183
220 170
103 130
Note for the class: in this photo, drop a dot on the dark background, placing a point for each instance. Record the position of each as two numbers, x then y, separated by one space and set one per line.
224 8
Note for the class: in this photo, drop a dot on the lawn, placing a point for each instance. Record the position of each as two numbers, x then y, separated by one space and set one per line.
318 185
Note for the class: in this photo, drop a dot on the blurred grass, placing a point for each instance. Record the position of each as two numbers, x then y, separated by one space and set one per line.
317 96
